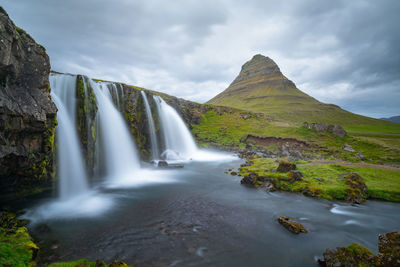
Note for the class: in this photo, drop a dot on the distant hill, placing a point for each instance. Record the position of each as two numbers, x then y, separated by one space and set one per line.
392 119
261 87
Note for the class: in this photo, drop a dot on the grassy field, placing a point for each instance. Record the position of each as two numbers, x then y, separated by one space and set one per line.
382 183
230 128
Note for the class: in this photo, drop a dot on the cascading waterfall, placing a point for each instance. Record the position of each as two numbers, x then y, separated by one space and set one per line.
117 94
153 137
179 142
120 157
70 169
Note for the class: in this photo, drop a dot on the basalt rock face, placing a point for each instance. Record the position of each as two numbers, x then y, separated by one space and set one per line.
27 113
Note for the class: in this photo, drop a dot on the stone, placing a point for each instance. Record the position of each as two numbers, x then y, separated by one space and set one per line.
292 226
348 148
233 173
295 176
250 179
285 166
162 163
117 264
353 255
27 114
358 191
389 249
339 131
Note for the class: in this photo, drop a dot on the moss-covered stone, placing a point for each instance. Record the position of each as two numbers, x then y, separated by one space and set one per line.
17 249
353 255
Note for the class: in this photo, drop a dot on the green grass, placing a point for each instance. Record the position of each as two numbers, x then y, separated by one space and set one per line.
382 184
229 129
16 249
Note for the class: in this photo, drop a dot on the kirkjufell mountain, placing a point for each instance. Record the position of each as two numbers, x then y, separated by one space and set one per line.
261 87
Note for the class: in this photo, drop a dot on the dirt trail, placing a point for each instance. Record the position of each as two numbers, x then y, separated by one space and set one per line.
343 163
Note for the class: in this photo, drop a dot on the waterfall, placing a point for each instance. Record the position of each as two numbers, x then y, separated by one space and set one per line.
152 130
120 156
179 142
70 169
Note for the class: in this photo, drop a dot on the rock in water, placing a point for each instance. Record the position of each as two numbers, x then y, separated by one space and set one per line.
27 113
353 255
162 163
389 249
285 166
293 227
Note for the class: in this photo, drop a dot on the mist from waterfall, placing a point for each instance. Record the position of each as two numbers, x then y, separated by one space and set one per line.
179 142
152 131
120 154
70 169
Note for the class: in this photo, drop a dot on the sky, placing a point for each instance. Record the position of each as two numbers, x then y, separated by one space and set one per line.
341 52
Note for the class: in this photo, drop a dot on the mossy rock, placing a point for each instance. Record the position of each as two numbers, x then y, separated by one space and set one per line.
17 249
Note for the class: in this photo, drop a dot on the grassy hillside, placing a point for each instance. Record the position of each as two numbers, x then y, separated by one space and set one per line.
261 87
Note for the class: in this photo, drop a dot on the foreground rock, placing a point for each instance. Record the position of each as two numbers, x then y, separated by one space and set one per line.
292 226
389 249
357 255
353 255
27 113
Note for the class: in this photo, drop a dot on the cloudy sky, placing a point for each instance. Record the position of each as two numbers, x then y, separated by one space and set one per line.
341 52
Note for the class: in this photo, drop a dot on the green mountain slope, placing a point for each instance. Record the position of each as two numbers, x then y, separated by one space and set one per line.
261 87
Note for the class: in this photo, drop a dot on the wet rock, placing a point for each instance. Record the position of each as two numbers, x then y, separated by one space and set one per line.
250 179
358 191
348 148
295 176
353 255
162 163
233 173
285 166
27 114
292 226
269 186
310 193
389 249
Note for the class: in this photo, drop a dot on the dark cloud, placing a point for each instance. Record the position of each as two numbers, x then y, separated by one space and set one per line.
342 52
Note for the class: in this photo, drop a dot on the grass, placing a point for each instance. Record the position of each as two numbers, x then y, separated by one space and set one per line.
382 184
17 249
230 128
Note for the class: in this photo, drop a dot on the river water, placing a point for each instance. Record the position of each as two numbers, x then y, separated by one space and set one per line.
200 216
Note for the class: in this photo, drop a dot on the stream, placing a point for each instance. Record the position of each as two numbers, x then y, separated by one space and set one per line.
200 216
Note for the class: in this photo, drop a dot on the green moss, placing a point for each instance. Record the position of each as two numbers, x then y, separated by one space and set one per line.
17 249
80 263
324 180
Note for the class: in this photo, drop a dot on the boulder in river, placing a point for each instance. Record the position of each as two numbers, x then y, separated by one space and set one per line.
292 226
389 249
353 255
250 179
162 163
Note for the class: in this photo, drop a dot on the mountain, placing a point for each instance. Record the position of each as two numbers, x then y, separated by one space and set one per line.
392 119
261 87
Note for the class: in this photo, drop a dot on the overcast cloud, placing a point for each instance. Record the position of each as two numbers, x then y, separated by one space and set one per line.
341 52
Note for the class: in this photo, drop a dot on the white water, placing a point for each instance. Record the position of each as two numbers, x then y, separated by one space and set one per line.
70 169
153 138
179 143
120 156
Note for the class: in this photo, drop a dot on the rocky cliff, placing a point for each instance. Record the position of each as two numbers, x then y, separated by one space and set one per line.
27 113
